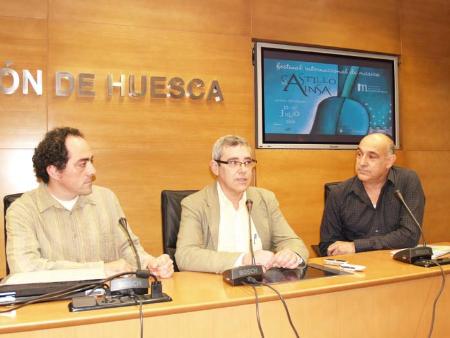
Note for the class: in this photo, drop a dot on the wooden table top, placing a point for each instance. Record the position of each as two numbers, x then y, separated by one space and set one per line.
193 291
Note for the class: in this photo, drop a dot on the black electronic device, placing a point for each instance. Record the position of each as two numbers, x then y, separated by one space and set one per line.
122 286
435 262
94 303
321 98
241 274
123 297
417 254
414 255
309 271
124 291
21 293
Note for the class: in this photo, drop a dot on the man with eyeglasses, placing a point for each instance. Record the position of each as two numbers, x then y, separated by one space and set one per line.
214 228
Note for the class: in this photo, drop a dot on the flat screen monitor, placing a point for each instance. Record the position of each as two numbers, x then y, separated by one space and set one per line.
309 97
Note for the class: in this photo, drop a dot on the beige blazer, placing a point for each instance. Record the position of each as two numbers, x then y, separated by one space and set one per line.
199 230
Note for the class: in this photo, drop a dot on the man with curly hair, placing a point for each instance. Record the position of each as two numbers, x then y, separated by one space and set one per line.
67 222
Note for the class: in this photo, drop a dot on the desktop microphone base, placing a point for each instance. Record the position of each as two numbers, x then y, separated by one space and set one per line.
240 275
413 255
107 302
123 286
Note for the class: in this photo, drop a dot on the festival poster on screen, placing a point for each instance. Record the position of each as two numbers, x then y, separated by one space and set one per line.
302 97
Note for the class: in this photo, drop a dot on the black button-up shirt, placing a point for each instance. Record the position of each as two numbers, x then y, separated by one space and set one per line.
350 216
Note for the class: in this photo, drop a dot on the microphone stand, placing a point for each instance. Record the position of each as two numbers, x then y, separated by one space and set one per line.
249 205
244 274
137 284
417 255
124 291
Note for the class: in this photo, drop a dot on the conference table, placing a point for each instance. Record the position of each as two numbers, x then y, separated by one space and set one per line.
388 299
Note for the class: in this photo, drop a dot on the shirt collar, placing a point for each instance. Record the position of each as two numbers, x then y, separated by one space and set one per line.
357 186
224 199
391 175
46 201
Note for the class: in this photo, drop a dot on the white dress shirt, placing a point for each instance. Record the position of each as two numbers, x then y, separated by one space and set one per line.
233 227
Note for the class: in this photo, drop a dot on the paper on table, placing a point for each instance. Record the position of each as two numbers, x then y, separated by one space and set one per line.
439 250
48 276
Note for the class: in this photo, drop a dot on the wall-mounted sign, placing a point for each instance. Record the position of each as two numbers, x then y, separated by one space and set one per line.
159 87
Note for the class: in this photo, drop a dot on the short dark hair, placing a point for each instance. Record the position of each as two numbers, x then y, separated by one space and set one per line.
52 151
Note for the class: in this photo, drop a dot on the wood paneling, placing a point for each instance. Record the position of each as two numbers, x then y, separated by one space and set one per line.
139 175
152 122
24 9
432 167
425 28
354 24
212 16
152 143
145 145
23 118
425 73
424 103
297 178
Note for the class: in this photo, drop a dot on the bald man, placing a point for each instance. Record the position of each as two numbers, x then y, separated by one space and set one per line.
362 213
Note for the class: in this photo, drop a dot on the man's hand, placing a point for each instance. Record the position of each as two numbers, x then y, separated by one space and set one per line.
341 248
262 257
117 266
161 266
286 258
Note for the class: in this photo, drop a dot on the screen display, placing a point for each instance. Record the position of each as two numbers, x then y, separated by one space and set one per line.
322 98
279 275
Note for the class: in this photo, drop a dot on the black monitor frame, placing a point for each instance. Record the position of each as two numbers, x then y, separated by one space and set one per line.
267 112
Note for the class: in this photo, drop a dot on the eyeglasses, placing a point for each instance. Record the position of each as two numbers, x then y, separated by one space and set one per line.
234 164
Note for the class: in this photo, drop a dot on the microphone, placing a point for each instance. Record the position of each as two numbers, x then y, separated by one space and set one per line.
249 205
243 274
414 255
124 224
399 195
138 284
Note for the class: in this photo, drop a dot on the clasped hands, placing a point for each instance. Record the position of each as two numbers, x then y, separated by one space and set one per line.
285 258
341 248
161 266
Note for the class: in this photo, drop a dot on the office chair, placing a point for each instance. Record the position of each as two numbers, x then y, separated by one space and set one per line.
7 201
327 188
171 216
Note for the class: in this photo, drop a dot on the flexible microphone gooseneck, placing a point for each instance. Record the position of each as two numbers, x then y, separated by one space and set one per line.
249 205
241 274
138 284
399 195
124 291
140 273
416 255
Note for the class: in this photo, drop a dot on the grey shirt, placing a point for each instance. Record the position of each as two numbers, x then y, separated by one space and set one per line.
350 216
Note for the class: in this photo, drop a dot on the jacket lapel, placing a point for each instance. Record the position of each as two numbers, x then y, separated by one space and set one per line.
212 199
